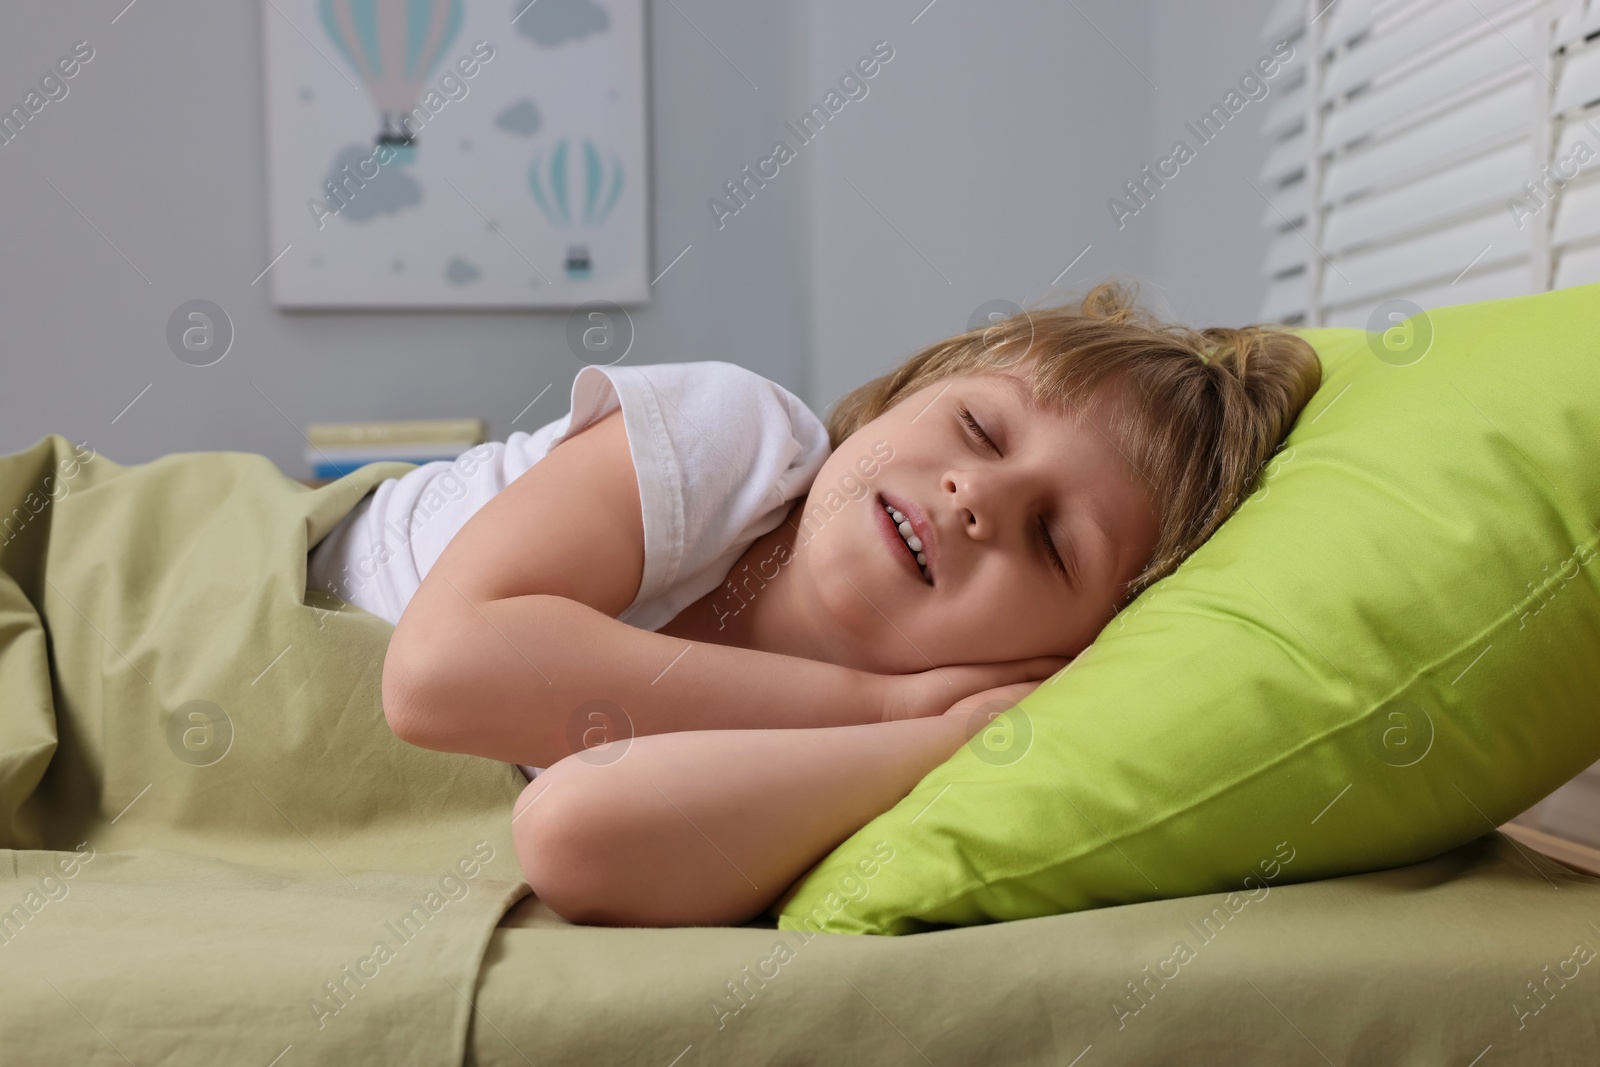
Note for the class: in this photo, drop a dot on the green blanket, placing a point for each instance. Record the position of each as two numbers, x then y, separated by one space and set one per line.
215 851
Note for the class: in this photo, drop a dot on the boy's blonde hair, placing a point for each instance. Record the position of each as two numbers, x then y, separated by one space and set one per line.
1203 410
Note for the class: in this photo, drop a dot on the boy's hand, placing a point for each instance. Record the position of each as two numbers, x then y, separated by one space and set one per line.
935 692
978 710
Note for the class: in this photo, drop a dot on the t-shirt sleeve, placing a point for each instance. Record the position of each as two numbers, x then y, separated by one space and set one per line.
720 453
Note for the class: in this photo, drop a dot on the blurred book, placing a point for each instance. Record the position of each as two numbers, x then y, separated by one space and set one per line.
334 449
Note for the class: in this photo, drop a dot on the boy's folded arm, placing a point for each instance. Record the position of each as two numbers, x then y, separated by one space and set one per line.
532 679
511 649
714 827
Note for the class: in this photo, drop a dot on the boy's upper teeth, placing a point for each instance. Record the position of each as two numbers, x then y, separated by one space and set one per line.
907 534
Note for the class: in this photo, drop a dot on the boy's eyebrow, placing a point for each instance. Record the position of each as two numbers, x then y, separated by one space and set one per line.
1024 392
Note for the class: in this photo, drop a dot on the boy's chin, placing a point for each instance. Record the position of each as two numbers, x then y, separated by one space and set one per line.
857 629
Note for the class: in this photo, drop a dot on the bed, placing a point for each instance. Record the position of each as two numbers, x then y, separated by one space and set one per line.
213 850
1427 964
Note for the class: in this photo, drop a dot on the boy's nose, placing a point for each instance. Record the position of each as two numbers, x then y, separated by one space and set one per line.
975 501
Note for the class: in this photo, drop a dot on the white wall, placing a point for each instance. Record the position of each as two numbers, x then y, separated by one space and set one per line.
160 145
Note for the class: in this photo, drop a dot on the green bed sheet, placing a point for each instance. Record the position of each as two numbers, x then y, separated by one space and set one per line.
1422 966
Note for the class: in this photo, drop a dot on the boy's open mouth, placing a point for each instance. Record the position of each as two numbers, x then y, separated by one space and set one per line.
902 527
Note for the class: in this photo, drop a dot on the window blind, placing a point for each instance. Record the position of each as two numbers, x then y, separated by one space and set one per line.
1436 151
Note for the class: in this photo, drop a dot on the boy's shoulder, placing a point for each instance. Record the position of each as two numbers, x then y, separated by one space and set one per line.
706 372
713 383
730 412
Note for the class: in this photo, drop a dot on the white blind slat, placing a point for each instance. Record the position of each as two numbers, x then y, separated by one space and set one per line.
1590 23
1578 267
1577 213
1287 204
1482 241
1482 120
1510 279
1569 23
1487 54
1288 249
1290 109
1430 199
1394 44
1384 10
1573 161
1349 18
1287 16
1286 157
1285 298
1580 80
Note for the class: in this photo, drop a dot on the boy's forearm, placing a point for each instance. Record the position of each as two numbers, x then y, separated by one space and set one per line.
532 679
712 827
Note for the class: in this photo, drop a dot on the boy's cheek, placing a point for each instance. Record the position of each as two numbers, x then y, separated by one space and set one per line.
871 462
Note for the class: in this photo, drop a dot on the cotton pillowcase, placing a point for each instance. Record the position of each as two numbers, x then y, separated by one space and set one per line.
1389 649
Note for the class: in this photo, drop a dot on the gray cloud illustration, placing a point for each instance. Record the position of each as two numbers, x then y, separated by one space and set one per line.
553 22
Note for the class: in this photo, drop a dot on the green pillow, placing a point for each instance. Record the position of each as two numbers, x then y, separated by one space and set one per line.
1389 649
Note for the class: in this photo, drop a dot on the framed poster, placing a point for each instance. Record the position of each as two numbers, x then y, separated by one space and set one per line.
456 153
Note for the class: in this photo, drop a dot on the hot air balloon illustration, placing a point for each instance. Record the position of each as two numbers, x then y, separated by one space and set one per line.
554 175
394 45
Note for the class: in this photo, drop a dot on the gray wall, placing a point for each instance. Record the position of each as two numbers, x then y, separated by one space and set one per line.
1210 247
160 145
976 168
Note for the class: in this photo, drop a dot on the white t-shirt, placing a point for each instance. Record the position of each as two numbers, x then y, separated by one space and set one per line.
720 452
